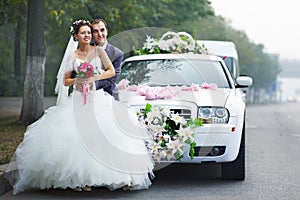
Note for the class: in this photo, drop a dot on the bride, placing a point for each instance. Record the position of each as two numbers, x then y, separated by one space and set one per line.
88 138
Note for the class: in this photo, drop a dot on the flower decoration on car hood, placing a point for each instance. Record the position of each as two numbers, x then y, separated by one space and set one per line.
172 134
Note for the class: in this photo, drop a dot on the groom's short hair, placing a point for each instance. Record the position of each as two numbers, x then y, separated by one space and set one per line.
96 21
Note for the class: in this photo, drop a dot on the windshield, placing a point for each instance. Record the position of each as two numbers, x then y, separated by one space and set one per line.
179 72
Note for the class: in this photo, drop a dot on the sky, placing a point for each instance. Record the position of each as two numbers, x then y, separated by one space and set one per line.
275 24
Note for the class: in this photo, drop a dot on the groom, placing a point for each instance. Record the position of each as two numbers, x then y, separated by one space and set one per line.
100 32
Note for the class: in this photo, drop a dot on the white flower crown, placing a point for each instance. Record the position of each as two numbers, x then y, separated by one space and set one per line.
76 23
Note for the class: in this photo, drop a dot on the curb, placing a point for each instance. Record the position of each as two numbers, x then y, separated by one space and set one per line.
5 186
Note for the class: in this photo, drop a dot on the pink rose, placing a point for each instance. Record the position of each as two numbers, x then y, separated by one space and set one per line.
89 74
84 65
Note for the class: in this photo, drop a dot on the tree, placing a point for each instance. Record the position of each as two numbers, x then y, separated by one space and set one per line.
12 12
33 105
18 34
130 14
12 32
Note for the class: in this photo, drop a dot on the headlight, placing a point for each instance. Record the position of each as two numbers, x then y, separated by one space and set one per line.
213 115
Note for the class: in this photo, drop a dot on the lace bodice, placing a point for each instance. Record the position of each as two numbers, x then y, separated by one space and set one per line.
96 62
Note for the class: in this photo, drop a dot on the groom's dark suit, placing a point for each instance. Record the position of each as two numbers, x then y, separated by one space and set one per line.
109 85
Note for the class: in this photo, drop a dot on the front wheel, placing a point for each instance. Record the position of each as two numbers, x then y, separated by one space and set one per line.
235 170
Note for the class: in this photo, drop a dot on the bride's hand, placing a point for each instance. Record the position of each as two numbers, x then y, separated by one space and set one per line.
93 79
79 82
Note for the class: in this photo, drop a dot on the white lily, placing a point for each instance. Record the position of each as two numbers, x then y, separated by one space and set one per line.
167 138
185 133
176 118
157 156
149 42
175 146
153 147
169 155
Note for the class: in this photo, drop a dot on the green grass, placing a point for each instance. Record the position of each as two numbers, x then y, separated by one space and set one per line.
11 134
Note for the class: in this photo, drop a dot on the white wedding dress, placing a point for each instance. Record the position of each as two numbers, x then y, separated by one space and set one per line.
99 143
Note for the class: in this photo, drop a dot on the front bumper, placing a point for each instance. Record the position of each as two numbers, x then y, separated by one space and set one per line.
226 137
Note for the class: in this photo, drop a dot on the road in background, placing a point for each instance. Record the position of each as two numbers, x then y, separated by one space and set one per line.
11 106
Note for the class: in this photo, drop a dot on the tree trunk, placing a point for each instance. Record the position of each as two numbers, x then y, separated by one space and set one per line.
33 99
17 53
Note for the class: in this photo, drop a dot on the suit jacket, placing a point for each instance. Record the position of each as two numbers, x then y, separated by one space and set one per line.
109 85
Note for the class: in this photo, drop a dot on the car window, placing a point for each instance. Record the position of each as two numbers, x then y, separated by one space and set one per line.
229 63
180 72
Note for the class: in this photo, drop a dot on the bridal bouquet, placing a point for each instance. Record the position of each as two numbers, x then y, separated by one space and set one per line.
172 134
84 70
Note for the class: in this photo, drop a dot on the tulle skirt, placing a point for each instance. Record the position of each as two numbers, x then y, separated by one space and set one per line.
99 143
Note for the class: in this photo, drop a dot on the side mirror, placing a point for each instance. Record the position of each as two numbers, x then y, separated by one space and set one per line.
243 81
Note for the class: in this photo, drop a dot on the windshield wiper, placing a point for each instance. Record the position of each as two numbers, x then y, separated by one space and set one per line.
156 84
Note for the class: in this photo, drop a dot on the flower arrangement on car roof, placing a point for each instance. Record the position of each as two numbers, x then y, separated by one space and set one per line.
171 42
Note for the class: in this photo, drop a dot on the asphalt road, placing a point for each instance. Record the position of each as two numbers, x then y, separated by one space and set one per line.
273 164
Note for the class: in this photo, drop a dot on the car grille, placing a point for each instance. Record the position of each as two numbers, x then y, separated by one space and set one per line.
185 113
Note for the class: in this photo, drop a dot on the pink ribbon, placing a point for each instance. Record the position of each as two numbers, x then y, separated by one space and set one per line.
155 93
133 88
84 93
161 93
123 84
193 87
211 86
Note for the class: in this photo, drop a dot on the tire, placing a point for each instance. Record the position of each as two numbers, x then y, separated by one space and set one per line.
235 170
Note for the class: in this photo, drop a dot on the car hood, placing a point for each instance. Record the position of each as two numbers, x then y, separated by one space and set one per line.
205 97
201 97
